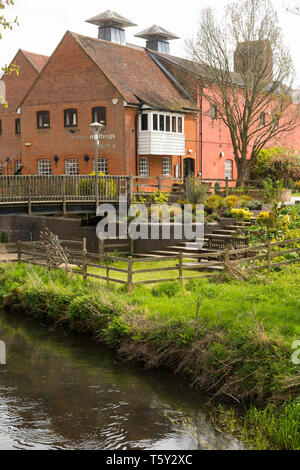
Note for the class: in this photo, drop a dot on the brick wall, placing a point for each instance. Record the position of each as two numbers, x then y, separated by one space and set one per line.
16 87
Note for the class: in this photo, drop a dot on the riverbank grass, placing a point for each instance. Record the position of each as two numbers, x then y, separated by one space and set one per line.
231 340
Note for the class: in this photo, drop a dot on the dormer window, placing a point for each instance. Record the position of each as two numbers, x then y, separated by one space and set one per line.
43 119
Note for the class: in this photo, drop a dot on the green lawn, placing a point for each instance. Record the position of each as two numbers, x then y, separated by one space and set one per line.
237 344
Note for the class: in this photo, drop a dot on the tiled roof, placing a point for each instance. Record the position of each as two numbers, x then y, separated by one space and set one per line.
136 76
37 60
195 68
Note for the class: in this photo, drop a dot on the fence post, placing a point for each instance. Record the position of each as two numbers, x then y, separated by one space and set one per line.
64 195
29 196
101 247
159 185
131 246
180 266
130 188
269 256
19 252
107 268
226 186
84 260
129 278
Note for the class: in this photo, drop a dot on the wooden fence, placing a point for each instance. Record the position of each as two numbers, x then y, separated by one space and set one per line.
61 188
80 261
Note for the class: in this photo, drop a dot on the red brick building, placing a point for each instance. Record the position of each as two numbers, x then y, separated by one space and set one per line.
156 122
30 65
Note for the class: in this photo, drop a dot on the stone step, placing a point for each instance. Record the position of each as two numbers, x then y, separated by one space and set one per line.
163 253
218 237
185 248
204 268
224 232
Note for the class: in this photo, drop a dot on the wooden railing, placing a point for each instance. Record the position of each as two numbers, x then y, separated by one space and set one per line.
61 188
148 184
255 258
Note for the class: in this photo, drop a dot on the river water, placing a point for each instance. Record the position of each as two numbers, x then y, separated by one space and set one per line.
59 390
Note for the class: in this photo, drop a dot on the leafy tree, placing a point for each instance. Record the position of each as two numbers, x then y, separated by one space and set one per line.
278 164
254 101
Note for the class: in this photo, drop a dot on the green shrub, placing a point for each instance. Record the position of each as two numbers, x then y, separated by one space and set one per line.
231 201
88 186
213 203
242 214
3 238
278 163
116 331
197 190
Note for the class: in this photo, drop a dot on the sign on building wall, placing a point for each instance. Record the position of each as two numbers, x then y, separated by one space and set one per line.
105 141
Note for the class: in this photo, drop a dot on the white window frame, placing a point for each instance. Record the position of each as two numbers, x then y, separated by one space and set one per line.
44 167
167 166
229 171
102 165
144 167
72 167
164 114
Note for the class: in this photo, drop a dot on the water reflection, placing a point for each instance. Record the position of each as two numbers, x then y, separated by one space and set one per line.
61 391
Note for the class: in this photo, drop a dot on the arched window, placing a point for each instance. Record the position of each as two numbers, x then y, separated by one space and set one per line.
72 167
144 166
44 167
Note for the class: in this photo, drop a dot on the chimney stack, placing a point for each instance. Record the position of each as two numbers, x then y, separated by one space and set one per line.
254 57
157 38
111 26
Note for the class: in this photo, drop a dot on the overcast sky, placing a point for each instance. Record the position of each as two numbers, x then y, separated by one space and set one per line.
44 22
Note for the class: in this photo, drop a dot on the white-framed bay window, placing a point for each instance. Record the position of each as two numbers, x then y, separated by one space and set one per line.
144 166
71 167
44 167
167 166
161 122
161 133
102 166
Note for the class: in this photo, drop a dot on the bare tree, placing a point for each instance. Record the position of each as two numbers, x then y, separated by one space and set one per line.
292 6
254 101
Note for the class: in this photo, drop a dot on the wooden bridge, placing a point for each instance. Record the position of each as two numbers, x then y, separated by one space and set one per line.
59 194
62 194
